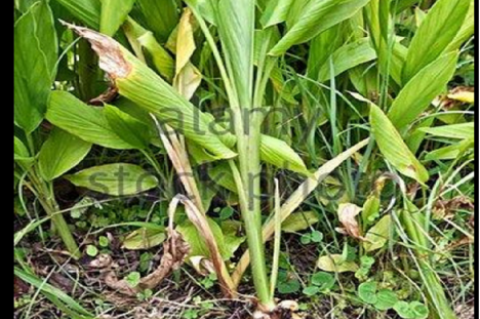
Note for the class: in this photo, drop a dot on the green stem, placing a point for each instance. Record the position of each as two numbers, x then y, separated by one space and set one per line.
46 197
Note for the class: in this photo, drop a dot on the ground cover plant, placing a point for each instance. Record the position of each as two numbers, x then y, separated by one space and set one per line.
241 158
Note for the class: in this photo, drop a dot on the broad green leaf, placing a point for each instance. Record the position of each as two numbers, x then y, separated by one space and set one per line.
439 28
324 280
454 131
35 50
114 13
275 12
299 221
46 34
346 57
386 299
378 235
128 128
466 31
280 154
87 11
451 151
398 57
336 263
222 175
322 47
421 90
161 16
295 12
232 241
21 155
115 179
420 310
144 238
404 310
317 17
235 20
198 247
84 121
60 153
394 148
367 291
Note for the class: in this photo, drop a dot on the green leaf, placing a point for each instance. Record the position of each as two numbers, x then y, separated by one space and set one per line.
87 11
323 280
278 153
394 148
289 286
370 210
315 18
466 31
198 247
420 310
386 299
60 153
347 57
84 121
311 291
322 47
454 131
336 263
378 235
221 174
368 292
35 54
404 310
276 12
439 28
57 296
161 16
421 90
113 14
133 279
451 151
21 155
144 238
299 221
128 128
235 20
115 179
92 251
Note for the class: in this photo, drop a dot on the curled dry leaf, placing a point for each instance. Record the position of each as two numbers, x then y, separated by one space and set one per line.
175 249
347 214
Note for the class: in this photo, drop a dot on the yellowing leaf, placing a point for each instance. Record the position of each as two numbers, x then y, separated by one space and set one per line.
378 235
394 148
144 238
299 221
336 263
